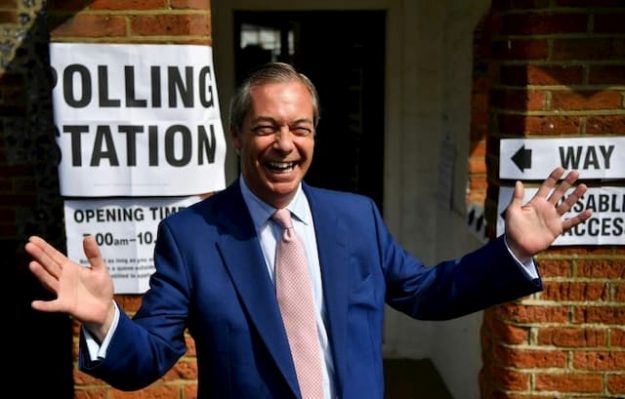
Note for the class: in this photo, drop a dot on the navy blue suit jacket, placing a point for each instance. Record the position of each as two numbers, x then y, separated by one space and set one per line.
211 278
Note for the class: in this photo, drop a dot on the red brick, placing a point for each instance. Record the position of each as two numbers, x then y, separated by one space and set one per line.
533 314
521 49
554 267
586 100
619 292
129 303
127 5
521 75
191 4
540 23
601 268
600 314
604 125
616 383
575 291
477 165
8 17
617 337
529 358
539 125
523 100
166 25
91 26
588 49
190 342
155 391
569 382
189 391
477 182
182 370
508 379
603 360
82 378
478 149
569 337
91 393
507 333
609 23
606 74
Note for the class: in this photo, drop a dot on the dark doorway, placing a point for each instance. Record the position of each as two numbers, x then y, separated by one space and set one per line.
342 52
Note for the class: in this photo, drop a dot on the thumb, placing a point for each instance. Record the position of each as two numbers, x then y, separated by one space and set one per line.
92 252
517 195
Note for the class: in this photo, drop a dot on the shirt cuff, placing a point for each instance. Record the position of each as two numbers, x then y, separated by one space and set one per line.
97 351
528 267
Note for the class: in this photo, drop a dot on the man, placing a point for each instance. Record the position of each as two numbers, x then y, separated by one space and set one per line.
217 272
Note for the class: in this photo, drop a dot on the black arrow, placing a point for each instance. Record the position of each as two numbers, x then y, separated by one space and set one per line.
522 158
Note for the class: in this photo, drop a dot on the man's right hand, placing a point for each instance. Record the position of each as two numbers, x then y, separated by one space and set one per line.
86 293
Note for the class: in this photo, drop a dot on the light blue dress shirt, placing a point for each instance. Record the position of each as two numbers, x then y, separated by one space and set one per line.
269 232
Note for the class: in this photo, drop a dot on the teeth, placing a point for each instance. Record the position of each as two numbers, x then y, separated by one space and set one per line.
282 166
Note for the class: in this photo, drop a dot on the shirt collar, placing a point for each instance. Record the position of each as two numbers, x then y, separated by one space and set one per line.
261 211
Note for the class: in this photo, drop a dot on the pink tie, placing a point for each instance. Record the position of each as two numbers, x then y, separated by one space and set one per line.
294 293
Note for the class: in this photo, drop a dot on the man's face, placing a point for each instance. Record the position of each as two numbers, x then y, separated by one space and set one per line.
276 141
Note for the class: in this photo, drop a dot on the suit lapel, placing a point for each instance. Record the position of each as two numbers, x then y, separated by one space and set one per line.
244 260
331 235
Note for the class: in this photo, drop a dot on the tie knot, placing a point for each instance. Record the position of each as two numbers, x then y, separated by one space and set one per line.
283 218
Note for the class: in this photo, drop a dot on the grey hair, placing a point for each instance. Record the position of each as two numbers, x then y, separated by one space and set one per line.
274 72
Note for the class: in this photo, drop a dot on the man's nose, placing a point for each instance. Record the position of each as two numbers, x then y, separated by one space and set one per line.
284 139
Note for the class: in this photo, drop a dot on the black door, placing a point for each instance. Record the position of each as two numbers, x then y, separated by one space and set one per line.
342 52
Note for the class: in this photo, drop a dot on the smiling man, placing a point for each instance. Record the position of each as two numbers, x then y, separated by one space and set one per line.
283 285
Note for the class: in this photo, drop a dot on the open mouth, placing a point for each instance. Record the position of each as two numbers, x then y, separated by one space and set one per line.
280 167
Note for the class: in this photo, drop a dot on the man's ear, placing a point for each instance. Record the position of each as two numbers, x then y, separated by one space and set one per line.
235 139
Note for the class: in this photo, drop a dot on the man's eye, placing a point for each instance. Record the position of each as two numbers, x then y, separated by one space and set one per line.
301 131
263 130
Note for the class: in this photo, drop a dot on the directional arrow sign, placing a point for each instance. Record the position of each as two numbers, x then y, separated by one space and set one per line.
606 226
534 159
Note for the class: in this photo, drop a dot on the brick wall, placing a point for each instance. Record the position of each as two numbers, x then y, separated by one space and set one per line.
41 344
134 21
558 69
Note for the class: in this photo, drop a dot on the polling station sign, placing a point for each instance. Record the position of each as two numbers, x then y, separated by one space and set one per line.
534 159
137 120
125 230
606 226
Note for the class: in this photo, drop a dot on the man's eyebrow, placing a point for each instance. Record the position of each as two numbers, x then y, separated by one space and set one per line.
269 119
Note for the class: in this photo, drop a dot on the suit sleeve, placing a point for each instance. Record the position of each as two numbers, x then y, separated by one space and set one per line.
452 288
143 349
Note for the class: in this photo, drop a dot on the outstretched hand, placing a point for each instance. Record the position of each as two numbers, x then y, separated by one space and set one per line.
85 293
532 227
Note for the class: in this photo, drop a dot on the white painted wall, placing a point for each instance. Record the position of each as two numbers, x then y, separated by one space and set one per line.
428 86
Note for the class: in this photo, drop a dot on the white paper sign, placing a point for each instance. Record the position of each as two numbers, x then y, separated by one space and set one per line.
605 227
125 231
534 159
137 120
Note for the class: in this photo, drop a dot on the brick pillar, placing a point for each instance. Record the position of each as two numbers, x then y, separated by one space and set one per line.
560 72
133 21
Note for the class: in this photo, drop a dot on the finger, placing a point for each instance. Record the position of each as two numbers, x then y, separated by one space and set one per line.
577 219
36 247
571 199
46 306
550 182
92 252
562 188
42 274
